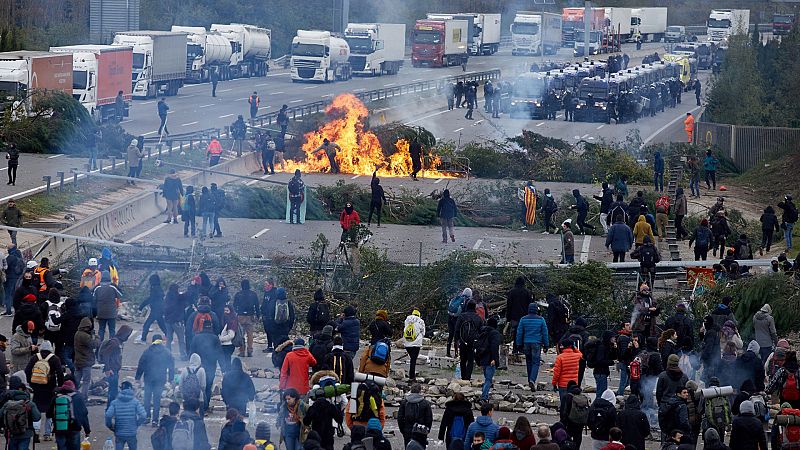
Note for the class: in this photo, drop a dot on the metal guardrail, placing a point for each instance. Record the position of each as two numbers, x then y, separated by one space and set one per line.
206 132
378 94
748 146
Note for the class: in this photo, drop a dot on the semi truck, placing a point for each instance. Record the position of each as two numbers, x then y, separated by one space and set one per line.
782 23
319 56
376 48
600 41
619 22
535 33
439 43
572 21
25 73
722 23
99 73
483 30
159 61
251 49
649 23
205 52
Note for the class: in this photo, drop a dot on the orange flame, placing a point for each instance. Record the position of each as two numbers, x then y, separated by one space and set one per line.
361 152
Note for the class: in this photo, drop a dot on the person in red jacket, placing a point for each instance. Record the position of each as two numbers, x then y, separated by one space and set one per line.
615 438
349 221
294 372
566 367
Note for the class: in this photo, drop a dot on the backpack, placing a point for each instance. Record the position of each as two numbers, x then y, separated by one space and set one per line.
703 237
480 310
281 311
53 322
590 352
238 338
323 313
456 305
598 423
105 349
662 204
380 353
159 438
366 396
468 333
718 412
482 342
64 414
648 256
638 366
190 385
667 411
790 391
577 341
183 435
745 252
790 213
579 413
760 408
199 320
457 428
16 417
88 279
410 332
294 187
338 369
789 421
41 369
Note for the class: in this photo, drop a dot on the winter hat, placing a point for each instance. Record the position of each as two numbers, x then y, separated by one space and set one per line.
262 431
15 383
533 308
609 396
53 296
783 343
672 361
319 295
204 301
581 322
747 407
30 298
560 435
382 314
374 424
357 433
46 346
467 292
681 306
711 436
349 311
415 313
786 405
766 309
691 385
503 433
420 429
298 344
327 330
68 384
567 222
753 347
158 339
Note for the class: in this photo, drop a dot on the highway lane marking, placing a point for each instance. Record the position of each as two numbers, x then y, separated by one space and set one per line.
416 79
587 239
126 121
425 117
310 87
205 106
354 177
584 136
276 93
146 233
540 124
383 109
147 102
457 130
601 126
258 235
477 244
476 123
296 101
326 95
388 85
240 99
55 156
252 182
438 181
226 115
190 123
262 84
225 90
278 75
149 133
660 130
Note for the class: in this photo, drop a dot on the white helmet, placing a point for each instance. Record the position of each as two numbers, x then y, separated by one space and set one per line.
92 261
31 264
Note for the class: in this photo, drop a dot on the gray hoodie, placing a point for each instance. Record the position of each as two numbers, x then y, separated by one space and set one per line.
20 347
764 325
195 363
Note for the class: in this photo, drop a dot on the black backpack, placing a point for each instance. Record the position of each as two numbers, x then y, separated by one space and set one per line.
648 256
482 342
468 332
590 352
323 313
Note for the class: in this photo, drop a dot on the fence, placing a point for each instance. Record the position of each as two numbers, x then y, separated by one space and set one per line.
748 146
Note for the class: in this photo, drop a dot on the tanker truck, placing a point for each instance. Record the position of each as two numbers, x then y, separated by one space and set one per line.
319 56
251 47
99 72
159 61
205 52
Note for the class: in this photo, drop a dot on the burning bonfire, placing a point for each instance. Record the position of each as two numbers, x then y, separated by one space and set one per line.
361 152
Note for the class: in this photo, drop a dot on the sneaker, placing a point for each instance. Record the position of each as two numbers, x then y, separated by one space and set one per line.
453 237
47 437
167 221
154 424
250 354
7 314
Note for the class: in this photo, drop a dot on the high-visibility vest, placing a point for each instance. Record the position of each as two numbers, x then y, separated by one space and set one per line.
215 148
40 272
254 101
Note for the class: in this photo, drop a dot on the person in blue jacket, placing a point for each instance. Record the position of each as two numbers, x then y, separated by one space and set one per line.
710 166
658 172
532 336
619 239
484 423
350 328
124 415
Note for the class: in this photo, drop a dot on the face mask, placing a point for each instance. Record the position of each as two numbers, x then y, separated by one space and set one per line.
476 446
26 282
349 209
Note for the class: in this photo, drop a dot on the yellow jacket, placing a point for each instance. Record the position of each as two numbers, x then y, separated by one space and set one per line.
642 229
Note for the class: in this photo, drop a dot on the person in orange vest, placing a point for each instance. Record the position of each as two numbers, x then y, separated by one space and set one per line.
44 276
254 102
214 152
688 126
91 275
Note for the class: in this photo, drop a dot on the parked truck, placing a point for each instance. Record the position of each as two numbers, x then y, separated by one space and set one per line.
534 33
572 21
159 61
619 22
205 52
25 73
99 73
376 48
439 43
251 49
649 23
600 41
782 24
319 56
722 23
483 30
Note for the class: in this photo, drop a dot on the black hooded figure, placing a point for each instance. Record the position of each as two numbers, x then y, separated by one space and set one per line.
582 206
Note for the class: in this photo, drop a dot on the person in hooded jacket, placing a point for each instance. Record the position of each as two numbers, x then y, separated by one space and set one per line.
195 368
765 333
532 336
671 380
320 417
339 362
602 417
575 430
219 296
549 207
710 352
413 342
517 301
557 317
124 415
207 345
28 311
321 346
17 391
157 367
234 434
110 354
468 319
380 329
375 431
723 313
245 305
673 413
414 409
71 437
458 409
378 198
43 394
294 372
682 324
645 312
681 209
633 423
606 199
578 335
746 390
350 328
190 413
281 330
484 424
769 222
582 206
106 299
14 271
747 432
489 359
203 307
174 310
156 302
606 354
237 387
749 366
712 441
619 238
71 318
667 344
85 342
319 312
447 211
22 347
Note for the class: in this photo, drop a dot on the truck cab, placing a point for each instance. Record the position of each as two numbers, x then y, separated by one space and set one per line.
376 48
675 33
319 56
782 24
13 80
722 23
439 43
